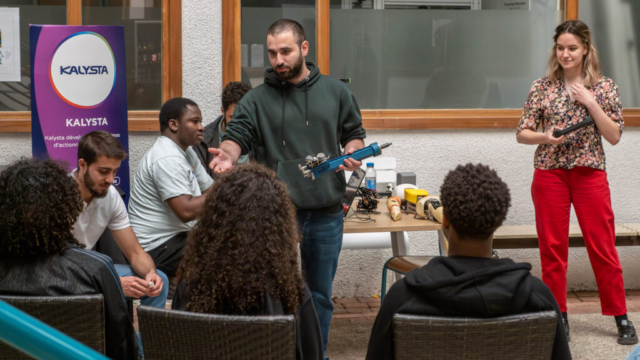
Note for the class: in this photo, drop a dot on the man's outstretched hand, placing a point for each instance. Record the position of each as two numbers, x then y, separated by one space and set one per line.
221 162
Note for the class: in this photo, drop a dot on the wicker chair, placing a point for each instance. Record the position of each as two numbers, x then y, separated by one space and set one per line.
173 334
525 336
79 316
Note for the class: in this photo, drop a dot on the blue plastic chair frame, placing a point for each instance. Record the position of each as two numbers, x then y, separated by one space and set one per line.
38 339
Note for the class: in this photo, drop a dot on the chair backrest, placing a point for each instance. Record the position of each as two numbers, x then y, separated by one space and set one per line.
79 316
173 334
524 336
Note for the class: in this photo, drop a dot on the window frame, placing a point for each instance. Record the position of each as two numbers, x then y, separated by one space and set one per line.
374 119
146 120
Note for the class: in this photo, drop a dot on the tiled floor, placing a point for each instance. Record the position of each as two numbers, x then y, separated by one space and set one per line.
578 302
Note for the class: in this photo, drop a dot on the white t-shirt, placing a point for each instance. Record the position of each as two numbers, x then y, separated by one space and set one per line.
165 171
101 213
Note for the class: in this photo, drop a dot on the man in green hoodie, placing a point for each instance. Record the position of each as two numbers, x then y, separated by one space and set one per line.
468 283
295 113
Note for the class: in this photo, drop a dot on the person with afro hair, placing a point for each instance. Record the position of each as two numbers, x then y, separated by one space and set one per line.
39 255
469 282
241 257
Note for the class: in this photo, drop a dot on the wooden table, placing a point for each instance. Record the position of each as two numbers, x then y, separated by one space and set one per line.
384 223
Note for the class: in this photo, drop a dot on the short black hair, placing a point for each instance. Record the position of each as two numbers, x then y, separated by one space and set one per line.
39 204
99 143
475 200
174 109
288 25
233 92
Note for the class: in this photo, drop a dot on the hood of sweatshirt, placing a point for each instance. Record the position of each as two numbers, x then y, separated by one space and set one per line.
491 287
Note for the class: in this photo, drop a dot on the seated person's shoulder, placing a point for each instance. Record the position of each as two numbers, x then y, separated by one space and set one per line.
171 166
539 288
87 259
163 148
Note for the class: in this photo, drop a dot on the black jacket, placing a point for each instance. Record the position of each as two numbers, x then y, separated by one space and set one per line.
308 336
76 272
465 287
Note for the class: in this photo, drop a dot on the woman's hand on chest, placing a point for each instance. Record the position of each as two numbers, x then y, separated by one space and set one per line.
583 95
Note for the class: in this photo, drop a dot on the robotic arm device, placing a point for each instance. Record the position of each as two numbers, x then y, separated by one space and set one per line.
320 164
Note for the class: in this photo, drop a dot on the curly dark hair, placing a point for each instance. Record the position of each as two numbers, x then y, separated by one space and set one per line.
244 246
475 200
39 204
233 92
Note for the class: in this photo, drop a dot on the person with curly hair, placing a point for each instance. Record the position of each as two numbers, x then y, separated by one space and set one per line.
470 282
213 132
39 255
241 257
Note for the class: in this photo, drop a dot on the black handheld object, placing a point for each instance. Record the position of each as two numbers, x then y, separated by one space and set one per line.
586 122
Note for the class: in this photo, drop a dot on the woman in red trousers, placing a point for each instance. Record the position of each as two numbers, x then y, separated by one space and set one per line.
570 169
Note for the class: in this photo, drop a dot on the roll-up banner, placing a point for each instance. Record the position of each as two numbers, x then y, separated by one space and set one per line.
78 85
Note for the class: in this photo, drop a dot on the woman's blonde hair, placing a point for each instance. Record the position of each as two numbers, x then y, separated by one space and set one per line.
590 62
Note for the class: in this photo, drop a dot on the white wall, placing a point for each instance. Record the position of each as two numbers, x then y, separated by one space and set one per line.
429 153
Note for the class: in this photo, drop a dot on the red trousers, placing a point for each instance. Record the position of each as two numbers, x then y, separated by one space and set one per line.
553 192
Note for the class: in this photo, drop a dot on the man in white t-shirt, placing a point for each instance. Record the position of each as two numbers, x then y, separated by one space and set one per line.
170 185
99 157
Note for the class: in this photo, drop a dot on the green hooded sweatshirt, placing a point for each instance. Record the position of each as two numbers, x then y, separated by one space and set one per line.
283 123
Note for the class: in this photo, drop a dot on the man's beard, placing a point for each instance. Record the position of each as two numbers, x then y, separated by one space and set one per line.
292 72
90 184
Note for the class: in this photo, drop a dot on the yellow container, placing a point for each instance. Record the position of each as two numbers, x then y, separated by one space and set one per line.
412 195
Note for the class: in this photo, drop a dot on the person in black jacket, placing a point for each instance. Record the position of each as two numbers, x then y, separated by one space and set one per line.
213 132
241 257
468 283
39 255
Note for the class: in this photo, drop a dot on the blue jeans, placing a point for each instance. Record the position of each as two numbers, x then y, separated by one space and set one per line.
635 354
320 249
159 301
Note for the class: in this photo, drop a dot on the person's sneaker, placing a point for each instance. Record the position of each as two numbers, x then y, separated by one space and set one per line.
627 333
566 328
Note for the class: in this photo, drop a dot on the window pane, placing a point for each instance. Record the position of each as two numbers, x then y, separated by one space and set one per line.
445 56
16 96
257 16
142 21
615 27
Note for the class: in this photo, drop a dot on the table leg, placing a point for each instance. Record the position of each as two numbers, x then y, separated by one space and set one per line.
443 244
398 248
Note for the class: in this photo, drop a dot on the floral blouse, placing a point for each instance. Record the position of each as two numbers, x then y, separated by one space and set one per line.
549 104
